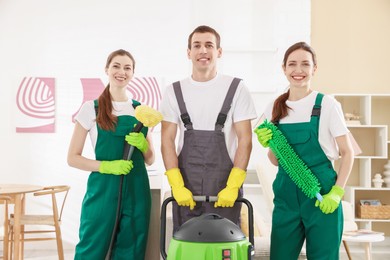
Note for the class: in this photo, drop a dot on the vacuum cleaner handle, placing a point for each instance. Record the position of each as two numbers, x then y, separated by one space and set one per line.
202 199
205 198
127 153
129 149
250 221
163 223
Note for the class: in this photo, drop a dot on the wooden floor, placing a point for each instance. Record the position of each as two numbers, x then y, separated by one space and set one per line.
45 250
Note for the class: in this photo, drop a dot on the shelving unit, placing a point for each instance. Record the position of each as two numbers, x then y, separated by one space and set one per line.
373 137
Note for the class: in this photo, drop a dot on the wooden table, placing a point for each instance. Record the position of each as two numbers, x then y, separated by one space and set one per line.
17 192
367 240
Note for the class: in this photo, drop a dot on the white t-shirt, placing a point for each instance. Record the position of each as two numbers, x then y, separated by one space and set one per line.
332 123
204 101
87 116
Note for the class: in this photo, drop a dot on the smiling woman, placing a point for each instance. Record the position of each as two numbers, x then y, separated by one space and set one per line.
110 122
314 126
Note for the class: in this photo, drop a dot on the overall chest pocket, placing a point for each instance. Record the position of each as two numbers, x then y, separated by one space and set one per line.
298 137
122 130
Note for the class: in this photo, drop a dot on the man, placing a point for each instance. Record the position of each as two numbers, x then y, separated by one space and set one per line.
213 114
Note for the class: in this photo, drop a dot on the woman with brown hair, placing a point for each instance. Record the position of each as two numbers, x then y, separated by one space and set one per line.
109 121
314 126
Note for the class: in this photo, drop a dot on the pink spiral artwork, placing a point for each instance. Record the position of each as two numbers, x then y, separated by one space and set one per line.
92 88
145 90
35 101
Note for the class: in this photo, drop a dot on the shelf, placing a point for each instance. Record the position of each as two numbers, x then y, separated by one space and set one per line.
372 140
372 134
373 193
371 220
380 105
356 104
370 189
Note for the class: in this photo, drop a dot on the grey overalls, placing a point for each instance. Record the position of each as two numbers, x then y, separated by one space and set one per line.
204 162
295 218
98 212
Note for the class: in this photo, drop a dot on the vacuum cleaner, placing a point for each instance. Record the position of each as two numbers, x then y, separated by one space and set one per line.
208 237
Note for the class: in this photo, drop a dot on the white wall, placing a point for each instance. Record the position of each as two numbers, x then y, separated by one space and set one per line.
69 40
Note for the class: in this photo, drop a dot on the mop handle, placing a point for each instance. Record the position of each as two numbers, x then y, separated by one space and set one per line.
319 197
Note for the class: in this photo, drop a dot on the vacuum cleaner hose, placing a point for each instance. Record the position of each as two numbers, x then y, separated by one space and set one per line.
146 116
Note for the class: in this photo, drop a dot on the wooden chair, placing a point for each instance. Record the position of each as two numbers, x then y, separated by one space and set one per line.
5 200
53 219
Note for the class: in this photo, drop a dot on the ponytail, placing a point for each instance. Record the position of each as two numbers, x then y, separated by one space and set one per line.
105 119
280 108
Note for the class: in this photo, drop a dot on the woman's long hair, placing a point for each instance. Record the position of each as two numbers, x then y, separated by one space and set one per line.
105 118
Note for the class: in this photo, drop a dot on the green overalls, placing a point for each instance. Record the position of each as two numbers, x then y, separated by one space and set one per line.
295 218
98 212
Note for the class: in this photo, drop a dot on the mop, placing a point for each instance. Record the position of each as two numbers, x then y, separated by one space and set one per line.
148 117
296 169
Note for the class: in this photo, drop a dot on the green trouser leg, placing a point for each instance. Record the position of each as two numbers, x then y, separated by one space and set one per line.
97 217
99 214
295 218
134 226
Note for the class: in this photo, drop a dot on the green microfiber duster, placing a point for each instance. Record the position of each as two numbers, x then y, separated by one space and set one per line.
298 171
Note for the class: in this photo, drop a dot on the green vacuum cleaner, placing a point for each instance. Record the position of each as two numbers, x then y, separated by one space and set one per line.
208 237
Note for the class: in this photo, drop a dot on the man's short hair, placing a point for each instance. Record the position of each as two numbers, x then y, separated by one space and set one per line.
205 29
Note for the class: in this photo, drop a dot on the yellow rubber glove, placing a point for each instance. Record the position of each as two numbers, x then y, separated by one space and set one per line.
263 136
331 201
117 167
182 195
228 195
137 140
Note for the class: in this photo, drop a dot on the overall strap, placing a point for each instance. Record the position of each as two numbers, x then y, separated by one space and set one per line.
316 112
135 103
96 106
227 103
185 117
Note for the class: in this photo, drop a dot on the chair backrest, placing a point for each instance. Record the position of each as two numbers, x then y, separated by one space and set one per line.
53 190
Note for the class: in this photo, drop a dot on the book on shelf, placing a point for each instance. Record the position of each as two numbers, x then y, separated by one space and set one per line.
363 232
370 202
